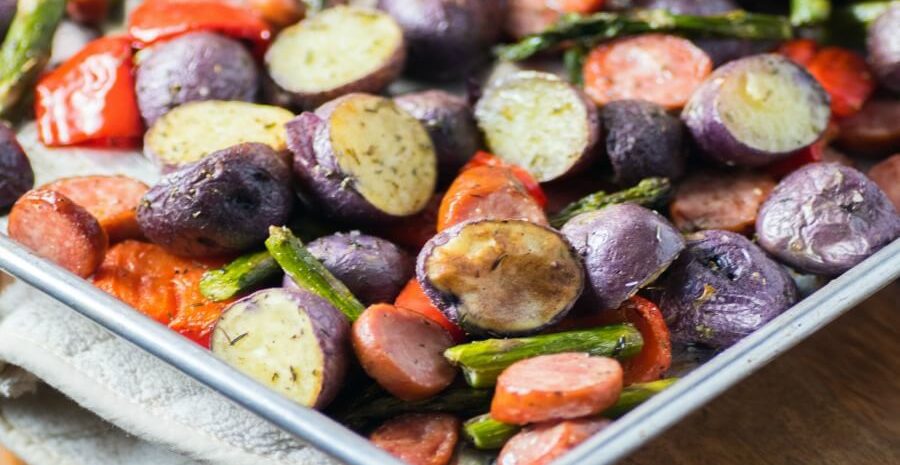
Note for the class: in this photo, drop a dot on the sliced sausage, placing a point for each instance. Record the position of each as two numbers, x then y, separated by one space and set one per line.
544 443
720 200
113 200
403 351
488 192
419 438
887 175
16 176
874 131
58 229
556 387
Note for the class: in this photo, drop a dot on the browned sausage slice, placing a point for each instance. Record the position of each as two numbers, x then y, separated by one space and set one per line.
113 200
419 438
874 131
58 229
887 175
542 444
720 200
403 351
556 387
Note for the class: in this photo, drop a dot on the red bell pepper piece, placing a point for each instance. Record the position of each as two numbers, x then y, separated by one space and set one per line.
90 98
531 185
801 51
157 20
811 154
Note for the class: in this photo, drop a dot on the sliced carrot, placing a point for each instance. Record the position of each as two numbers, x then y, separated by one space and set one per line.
801 51
113 200
556 387
531 185
542 444
412 297
661 68
487 192
656 355
419 438
58 229
163 286
845 76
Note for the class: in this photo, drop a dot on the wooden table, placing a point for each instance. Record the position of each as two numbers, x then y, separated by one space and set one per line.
834 399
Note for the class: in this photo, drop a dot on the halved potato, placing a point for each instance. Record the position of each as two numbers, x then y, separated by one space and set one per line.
336 52
295 343
193 130
539 122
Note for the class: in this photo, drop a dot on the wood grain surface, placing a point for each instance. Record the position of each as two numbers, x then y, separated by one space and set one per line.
834 399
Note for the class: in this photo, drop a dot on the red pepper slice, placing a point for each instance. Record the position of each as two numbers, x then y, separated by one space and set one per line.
157 20
801 51
531 185
90 98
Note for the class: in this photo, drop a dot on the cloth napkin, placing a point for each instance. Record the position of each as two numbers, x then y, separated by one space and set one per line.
111 403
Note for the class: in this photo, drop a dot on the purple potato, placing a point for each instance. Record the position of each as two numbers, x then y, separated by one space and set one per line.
450 124
757 110
722 51
447 39
883 44
16 175
642 140
296 343
825 218
374 269
194 67
722 288
221 205
7 13
624 248
500 277
339 51
364 159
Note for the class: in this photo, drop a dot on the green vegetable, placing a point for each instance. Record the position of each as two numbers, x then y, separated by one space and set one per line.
866 12
486 433
649 192
809 12
375 406
243 274
309 273
483 361
573 60
603 26
26 48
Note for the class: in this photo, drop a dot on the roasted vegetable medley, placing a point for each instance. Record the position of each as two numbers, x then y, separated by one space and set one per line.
473 230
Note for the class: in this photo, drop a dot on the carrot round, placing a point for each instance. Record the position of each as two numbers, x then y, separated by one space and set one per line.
556 387
56 228
419 438
487 192
113 200
659 68
412 297
533 187
542 444
845 76
162 286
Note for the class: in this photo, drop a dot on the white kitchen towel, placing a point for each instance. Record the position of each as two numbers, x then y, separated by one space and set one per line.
115 380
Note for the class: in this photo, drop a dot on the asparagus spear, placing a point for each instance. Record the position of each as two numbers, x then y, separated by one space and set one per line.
602 26
486 433
26 48
809 12
483 361
866 12
242 274
648 192
573 60
459 400
309 273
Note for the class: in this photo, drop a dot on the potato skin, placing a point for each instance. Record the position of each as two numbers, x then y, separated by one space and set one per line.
642 140
450 124
447 39
825 218
196 66
722 288
702 118
16 175
374 269
221 205
7 12
624 247
883 45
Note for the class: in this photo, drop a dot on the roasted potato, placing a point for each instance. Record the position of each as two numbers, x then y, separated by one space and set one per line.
16 175
642 140
883 45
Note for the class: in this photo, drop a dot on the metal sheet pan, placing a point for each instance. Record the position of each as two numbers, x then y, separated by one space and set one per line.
699 384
